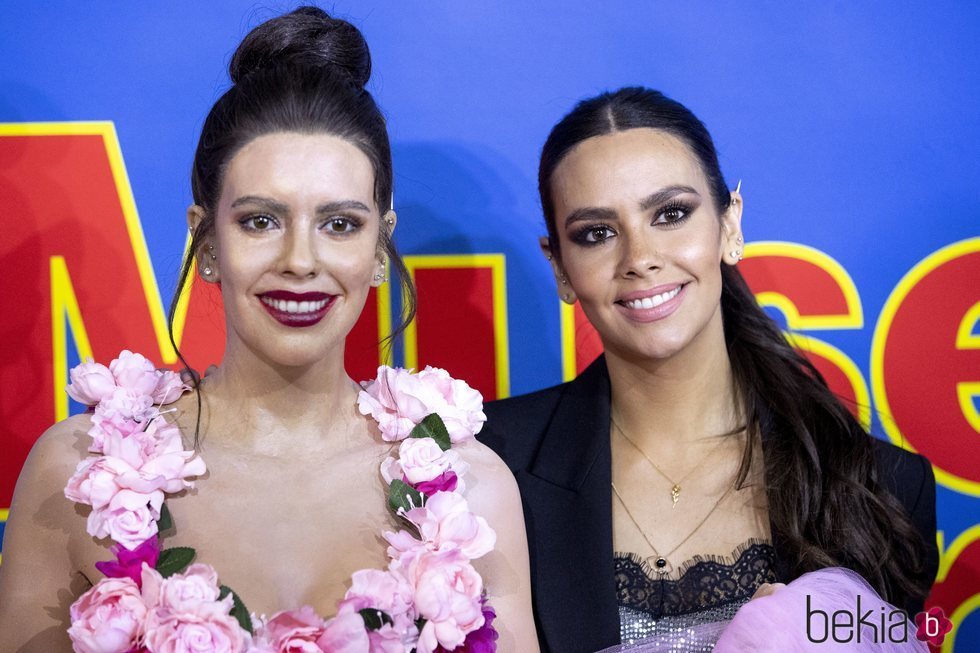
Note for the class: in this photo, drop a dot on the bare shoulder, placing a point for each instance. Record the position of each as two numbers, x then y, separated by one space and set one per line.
38 579
56 454
491 489
486 466
39 494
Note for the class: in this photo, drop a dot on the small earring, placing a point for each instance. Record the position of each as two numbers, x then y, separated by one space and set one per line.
390 221
207 271
564 280
737 255
567 297
214 257
738 240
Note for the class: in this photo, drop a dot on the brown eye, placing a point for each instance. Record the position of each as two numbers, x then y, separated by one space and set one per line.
598 234
258 223
340 225
672 215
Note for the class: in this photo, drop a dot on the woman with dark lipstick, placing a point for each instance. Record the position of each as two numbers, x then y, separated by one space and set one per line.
700 460
292 216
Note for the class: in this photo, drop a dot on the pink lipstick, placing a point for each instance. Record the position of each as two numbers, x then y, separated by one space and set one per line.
653 304
296 309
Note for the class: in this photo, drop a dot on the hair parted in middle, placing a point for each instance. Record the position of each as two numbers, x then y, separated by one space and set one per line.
825 502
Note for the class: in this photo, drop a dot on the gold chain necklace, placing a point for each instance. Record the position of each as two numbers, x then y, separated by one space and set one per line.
675 490
660 563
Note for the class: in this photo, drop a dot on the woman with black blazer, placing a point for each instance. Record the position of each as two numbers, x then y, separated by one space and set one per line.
701 460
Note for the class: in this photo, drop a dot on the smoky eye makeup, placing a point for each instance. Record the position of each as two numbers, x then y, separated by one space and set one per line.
674 213
590 235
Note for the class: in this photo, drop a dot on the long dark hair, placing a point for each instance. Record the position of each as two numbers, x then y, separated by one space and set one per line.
825 502
301 72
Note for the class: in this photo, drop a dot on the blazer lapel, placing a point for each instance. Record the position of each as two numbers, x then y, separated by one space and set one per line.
568 510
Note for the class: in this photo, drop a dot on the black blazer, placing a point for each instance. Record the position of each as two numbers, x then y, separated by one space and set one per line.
556 441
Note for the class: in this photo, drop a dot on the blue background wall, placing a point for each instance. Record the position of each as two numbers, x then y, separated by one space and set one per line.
852 125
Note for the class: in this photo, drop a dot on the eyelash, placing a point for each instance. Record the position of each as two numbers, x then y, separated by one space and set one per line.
582 235
248 223
683 207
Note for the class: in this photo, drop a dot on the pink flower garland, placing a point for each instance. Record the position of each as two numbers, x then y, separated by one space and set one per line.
430 599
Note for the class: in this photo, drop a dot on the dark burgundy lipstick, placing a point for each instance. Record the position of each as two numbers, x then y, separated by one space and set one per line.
296 309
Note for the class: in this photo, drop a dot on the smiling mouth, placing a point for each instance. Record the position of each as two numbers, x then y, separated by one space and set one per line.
652 301
297 309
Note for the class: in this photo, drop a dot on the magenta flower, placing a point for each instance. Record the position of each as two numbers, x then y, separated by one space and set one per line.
129 564
445 482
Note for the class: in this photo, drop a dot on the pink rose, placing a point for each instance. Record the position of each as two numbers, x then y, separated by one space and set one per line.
130 518
462 411
345 633
108 618
447 595
134 372
393 400
90 383
398 400
421 459
294 631
445 522
94 481
194 590
169 388
120 414
167 632
482 640
186 616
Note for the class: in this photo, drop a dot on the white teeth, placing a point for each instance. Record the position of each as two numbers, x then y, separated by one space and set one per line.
293 306
655 300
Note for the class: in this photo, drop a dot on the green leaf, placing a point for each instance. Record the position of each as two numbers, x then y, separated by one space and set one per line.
238 611
374 619
175 560
402 495
166 521
433 427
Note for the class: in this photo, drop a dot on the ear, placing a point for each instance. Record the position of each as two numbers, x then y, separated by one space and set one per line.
388 222
207 256
732 243
564 288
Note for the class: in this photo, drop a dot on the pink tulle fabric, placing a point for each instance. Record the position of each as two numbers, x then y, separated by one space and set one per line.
779 623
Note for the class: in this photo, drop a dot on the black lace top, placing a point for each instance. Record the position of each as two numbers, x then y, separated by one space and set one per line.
705 581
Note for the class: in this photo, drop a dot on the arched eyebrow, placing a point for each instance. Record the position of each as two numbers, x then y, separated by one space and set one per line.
603 214
590 213
275 206
665 195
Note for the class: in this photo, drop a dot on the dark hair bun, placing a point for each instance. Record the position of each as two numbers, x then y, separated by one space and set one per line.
305 37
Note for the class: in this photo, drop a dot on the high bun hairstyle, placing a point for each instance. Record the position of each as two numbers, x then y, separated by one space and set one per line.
302 72
826 505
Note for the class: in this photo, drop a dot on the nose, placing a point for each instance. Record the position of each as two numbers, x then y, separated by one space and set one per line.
639 254
299 255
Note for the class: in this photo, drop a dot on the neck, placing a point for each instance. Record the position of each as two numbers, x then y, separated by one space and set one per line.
672 402
278 406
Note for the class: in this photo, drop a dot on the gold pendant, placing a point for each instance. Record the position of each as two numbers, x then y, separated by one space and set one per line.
675 494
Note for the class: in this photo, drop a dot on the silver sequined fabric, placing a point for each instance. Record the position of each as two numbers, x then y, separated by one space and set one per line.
686 614
687 633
